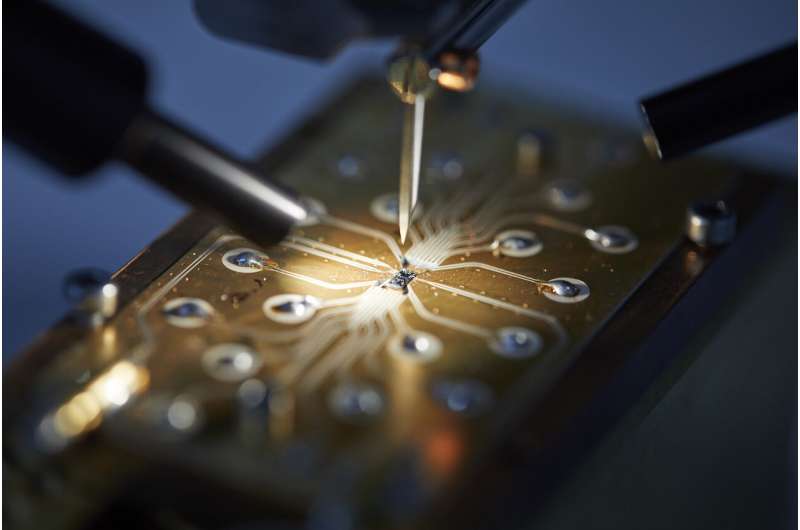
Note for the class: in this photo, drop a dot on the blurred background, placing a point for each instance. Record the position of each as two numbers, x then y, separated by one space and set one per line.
601 57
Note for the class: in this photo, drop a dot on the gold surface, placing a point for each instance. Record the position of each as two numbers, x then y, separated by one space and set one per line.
298 449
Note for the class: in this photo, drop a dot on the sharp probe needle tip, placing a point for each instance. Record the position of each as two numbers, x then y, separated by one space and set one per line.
411 157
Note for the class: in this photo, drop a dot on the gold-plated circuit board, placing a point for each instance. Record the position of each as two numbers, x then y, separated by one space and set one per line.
338 366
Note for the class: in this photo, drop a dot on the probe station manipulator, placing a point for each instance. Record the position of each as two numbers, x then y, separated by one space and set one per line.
77 99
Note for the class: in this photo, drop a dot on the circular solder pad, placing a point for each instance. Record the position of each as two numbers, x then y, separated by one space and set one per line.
291 308
184 415
516 343
385 208
614 239
566 290
466 397
252 393
517 243
567 195
356 401
445 167
416 346
231 362
170 418
187 312
245 260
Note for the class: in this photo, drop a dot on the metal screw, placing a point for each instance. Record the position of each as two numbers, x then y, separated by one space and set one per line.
710 223
94 293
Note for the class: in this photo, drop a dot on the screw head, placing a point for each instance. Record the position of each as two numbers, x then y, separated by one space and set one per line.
710 223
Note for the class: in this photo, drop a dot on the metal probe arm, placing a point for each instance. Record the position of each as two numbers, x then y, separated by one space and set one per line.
722 104
76 99
439 44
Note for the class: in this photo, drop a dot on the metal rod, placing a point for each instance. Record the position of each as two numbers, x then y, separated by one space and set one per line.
472 28
209 179
722 104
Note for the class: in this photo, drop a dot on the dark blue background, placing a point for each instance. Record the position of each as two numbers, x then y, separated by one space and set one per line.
600 55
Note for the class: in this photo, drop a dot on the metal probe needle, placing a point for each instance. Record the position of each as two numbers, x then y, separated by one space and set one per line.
409 77
411 158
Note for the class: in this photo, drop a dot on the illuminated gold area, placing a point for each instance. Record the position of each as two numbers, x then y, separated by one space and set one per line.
84 411
409 77
114 388
78 415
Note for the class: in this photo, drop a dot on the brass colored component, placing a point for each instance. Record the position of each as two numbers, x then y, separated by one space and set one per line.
457 70
409 77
